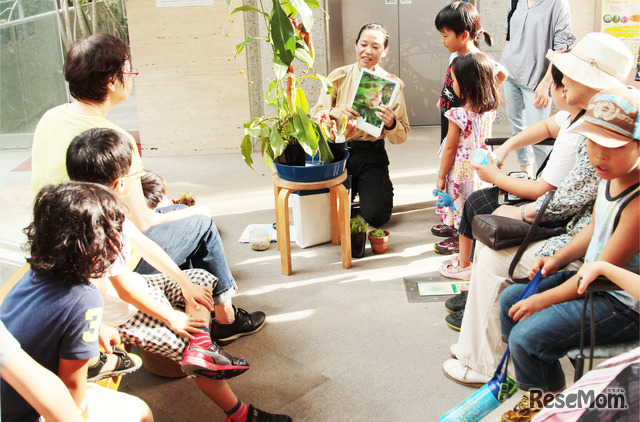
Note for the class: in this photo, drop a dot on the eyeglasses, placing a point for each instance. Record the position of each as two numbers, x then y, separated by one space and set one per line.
133 72
136 174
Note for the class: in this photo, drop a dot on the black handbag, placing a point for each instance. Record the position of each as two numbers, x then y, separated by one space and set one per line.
498 232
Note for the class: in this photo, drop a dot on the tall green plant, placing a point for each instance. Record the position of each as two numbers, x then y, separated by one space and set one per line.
79 18
289 25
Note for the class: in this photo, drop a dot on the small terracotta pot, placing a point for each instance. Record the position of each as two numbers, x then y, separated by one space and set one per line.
378 244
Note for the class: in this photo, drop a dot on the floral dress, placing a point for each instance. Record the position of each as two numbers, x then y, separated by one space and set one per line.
462 178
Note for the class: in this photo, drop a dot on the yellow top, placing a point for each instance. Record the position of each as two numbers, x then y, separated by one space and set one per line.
345 81
53 134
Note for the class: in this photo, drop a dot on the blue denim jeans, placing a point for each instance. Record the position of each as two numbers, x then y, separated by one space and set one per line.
540 340
522 113
194 242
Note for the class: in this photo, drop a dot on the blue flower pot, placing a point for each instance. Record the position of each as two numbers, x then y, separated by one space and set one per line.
314 170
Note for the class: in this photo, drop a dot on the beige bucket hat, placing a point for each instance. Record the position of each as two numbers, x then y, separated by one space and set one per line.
598 60
612 118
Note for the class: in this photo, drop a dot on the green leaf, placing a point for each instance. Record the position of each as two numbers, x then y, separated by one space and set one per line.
277 143
314 4
279 68
246 9
241 46
305 14
307 136
246 147
301 101
267 155
327 86
325 152
254 131
282 34
303 55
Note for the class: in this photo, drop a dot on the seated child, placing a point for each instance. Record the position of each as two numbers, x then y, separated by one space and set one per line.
142 306
37 385
549 322
561 160
154 189
55 312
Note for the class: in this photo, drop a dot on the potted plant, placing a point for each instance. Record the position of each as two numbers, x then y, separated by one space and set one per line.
289 25
337 139
358 237
379 240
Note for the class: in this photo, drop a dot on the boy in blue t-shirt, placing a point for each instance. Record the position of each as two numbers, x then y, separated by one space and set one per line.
145 308
55 311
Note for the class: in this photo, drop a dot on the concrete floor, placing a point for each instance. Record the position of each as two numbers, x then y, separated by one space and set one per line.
339 344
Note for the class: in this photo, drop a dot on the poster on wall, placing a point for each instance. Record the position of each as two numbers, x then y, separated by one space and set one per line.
621 18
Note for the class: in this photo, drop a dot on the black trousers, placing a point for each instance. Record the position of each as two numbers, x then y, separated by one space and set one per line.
444 127
368 165
483 201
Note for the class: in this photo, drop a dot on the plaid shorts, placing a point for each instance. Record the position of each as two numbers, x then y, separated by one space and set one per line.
152 334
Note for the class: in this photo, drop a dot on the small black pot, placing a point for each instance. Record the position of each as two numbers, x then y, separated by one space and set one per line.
358 243
293 155
337 150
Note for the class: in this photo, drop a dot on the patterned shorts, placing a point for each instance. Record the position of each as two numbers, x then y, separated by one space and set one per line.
152 334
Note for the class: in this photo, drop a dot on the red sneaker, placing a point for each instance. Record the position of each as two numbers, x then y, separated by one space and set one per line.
213 362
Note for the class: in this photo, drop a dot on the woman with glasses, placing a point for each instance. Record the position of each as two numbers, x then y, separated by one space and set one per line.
100 77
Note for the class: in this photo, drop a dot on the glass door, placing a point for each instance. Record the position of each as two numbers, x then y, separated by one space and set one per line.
31 80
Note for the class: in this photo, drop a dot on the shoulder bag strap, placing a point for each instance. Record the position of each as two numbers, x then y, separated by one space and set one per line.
514 5
527 239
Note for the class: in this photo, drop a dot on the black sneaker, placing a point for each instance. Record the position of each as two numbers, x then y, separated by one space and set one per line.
457 303
454 320
244 325
257 415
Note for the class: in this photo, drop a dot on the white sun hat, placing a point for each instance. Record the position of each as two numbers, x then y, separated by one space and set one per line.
598 60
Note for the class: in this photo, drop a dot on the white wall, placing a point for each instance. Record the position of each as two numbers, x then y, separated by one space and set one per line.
190 97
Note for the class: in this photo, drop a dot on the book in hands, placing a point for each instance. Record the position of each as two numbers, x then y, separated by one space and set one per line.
372 91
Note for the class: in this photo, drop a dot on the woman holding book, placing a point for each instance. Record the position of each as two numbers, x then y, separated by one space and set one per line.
368 163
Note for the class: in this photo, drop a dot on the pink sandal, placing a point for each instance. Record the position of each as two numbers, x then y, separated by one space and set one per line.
452 269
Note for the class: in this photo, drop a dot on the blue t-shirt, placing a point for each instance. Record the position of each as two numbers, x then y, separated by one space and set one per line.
51 321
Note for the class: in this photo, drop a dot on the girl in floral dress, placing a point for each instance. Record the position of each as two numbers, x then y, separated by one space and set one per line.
469 126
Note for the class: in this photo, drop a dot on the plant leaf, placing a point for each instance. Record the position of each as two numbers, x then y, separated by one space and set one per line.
326 83
246 147
267 155
277 143
323 149
303 55
282 34
301 101
246 8
305 14
279 68
307 136
314 4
